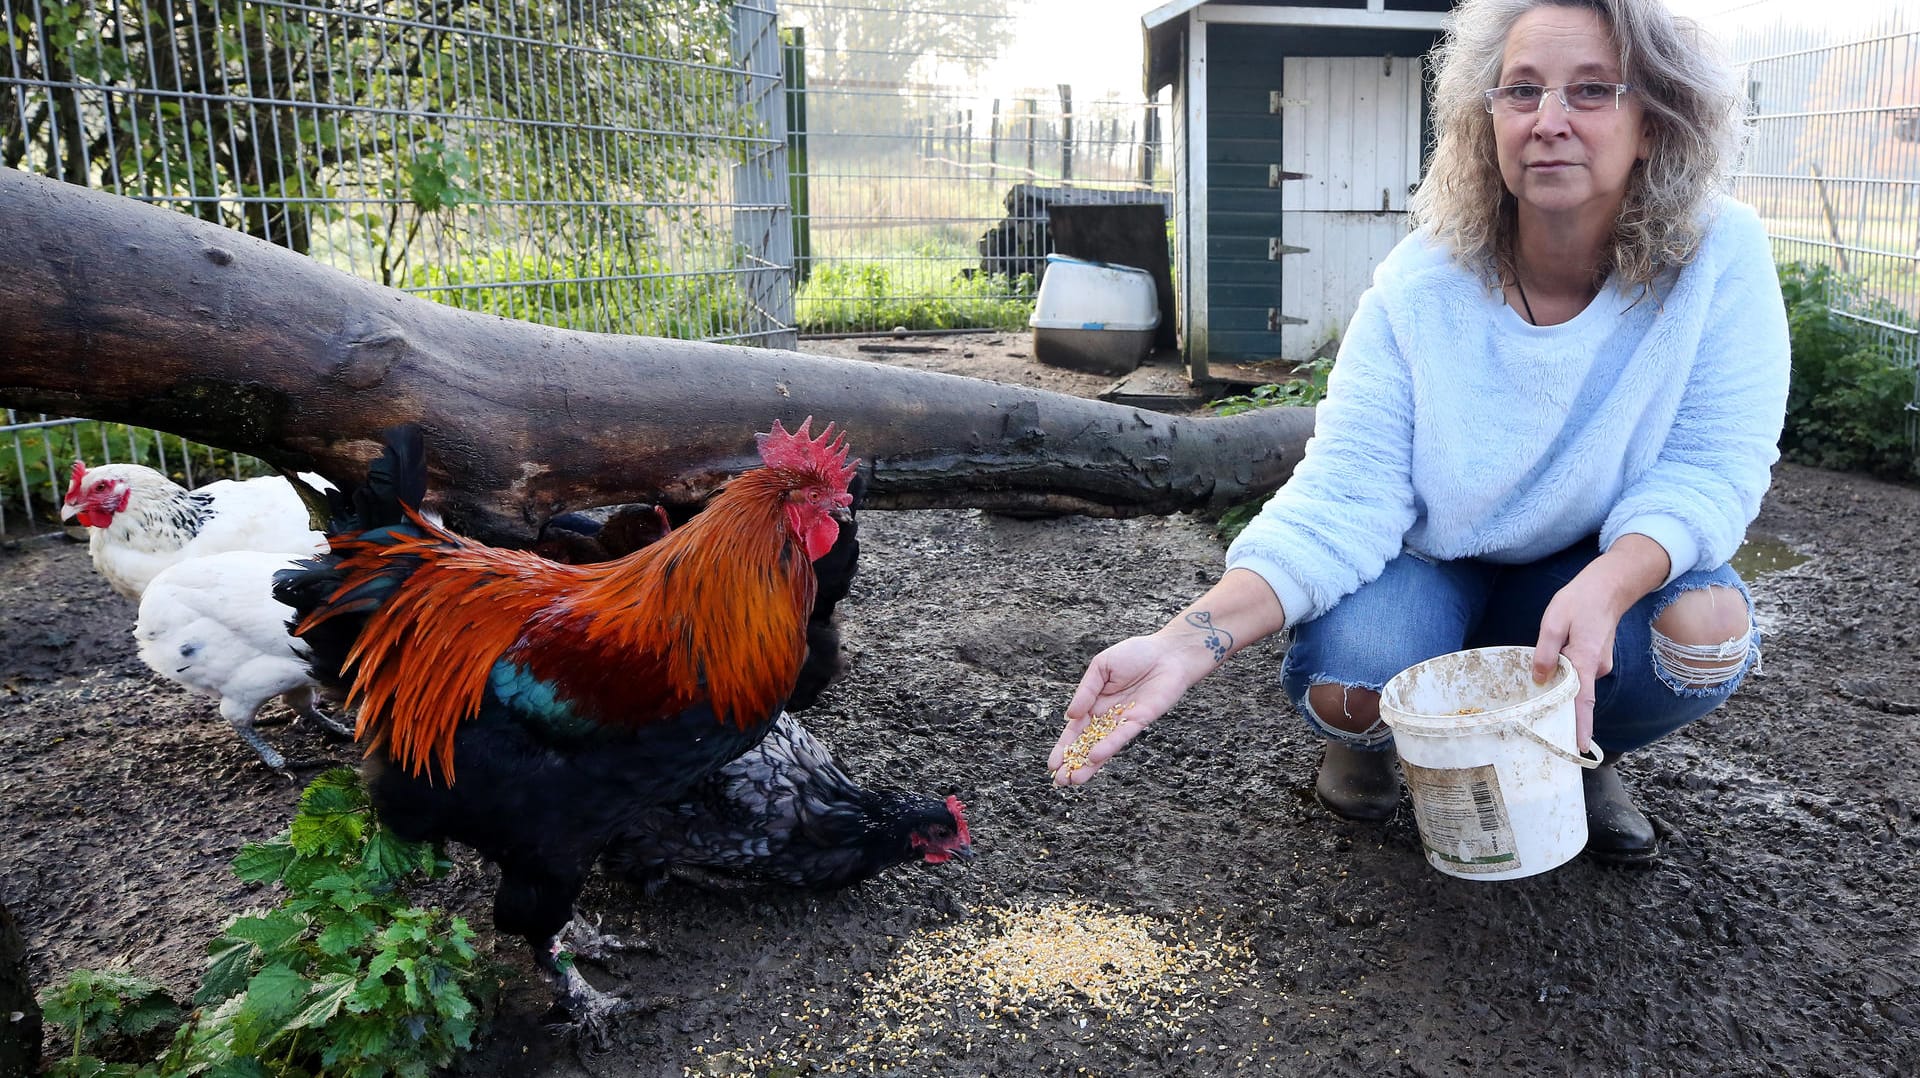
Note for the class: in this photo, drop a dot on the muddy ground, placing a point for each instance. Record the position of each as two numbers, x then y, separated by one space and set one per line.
1777 937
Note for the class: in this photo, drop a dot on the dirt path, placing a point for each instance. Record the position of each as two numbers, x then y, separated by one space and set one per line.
1242 927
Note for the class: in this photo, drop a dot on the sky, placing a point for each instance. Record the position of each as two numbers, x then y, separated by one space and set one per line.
1093 44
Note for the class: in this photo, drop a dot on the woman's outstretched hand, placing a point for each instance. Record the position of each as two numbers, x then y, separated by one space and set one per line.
1145 675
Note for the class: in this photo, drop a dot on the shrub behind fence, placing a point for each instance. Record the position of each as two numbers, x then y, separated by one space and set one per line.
606 165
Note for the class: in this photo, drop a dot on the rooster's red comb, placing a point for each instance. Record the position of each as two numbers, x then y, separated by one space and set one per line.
799 451
79 474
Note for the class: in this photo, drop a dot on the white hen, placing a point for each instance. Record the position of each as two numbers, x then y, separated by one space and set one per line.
140 522
211 624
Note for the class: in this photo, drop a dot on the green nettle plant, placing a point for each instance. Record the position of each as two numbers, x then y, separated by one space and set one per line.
1303 392
106 1009
343 977
1846 405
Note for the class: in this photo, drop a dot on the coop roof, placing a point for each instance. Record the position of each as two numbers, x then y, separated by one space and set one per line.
1164 26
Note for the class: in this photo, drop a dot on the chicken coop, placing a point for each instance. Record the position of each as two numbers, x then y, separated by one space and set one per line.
1298 133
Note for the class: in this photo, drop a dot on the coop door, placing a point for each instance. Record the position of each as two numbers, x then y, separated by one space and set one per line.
1350 156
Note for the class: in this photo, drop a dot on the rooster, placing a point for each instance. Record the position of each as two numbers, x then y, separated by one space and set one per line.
212 625
531 709
140 522
785 812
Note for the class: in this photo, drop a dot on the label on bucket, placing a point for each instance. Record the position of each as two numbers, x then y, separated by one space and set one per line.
1462 817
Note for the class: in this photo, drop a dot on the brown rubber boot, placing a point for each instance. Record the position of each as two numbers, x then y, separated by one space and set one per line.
1617 831
1356 784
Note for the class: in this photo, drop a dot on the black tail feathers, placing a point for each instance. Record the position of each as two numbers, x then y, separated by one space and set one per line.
395 479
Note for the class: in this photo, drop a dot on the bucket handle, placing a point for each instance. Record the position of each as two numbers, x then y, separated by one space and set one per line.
1599 757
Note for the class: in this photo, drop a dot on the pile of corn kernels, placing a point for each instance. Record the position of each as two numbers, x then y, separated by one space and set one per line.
1009 972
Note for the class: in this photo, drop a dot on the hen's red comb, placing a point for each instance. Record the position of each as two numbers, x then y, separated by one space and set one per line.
79 473
959 817
799 451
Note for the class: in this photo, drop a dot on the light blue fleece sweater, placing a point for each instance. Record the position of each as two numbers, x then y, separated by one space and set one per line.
1454 429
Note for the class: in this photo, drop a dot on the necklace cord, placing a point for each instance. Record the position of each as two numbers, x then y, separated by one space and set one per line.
1522 289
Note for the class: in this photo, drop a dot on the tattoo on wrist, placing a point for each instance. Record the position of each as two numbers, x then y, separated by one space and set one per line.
1218 640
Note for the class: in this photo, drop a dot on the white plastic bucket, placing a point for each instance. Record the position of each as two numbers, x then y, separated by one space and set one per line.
1488 756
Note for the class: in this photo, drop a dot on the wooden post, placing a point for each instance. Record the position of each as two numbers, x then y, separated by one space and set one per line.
793 63
993 143
1150 137
1030 135
1066 133
1826 210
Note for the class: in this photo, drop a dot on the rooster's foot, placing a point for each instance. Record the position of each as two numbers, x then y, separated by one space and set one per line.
584 1009
584 939
302 703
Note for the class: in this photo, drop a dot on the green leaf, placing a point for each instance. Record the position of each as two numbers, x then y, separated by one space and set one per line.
382 963
335 882
360 1040
304 871
273 995
372 995
343 936
231 962
334 791
270 933
240 1067
329 994
409 985
389 858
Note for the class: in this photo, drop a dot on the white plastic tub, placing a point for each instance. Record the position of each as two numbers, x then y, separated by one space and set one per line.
1094 316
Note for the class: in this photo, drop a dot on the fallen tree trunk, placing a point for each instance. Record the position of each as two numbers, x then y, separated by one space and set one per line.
122 311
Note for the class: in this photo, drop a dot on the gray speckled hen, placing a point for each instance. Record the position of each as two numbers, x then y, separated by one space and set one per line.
785 812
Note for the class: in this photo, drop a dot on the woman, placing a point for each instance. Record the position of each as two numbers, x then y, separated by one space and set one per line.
1551 420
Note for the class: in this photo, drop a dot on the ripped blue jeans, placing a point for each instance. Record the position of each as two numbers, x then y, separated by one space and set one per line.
1418 608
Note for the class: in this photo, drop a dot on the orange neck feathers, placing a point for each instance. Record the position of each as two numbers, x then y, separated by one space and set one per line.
715 612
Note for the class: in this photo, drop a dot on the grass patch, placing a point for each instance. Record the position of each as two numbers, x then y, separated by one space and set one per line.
848 297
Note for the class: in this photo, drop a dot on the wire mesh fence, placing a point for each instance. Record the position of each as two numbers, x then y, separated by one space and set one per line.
42 450
920 189
1834 166
605 165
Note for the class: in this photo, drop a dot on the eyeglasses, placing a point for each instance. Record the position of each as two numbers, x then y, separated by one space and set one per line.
1574 97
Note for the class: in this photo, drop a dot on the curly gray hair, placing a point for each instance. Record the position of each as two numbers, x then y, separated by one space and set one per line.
1693 104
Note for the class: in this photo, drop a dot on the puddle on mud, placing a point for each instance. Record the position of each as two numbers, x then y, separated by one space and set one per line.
1763 554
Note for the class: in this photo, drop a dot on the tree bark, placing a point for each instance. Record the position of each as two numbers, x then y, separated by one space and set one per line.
121 311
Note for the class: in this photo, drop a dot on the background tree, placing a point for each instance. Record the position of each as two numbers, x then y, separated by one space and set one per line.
864 56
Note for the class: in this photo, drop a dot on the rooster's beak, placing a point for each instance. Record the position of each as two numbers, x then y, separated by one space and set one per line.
68 510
